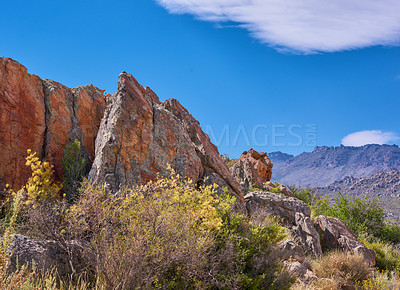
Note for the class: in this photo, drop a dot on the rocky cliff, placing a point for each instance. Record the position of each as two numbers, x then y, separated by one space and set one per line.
42 115
139 137
129 137
326 165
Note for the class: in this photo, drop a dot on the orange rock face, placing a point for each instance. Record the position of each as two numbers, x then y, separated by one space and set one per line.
22 120
252 168
42 115
139 136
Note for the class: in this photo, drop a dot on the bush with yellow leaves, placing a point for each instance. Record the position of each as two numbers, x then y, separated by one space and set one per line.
40 185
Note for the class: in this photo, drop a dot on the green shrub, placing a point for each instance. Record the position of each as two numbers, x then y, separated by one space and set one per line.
74 166
253 188
305 194
387 256
381 280
363 217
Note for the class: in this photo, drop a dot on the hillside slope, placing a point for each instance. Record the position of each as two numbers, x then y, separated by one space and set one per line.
384 186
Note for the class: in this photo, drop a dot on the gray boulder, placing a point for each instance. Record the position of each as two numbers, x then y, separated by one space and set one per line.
306 233
275 204
291 212
46 255
335 235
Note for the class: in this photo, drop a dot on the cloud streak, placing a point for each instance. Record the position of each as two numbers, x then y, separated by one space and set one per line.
306 26
369 137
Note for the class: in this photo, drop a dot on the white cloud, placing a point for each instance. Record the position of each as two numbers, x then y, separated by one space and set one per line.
305 26
369 137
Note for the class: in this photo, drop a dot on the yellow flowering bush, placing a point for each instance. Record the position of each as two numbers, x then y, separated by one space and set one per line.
40 185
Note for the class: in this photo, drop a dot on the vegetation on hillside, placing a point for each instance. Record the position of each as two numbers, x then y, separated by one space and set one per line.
164 234
366 218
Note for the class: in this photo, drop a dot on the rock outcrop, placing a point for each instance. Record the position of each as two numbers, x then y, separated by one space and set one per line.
293 214
252 169
139 137
335 235
276 204
42 115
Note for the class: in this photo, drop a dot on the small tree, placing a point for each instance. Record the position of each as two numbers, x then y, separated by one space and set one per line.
74 166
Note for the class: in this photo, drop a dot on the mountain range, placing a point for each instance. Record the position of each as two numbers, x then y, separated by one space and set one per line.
326 164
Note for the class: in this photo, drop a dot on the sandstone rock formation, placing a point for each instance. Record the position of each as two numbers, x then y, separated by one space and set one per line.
335 235
252 168
139 136
22 120
42 115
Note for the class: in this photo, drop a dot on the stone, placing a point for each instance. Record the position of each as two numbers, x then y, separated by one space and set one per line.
335 235
252 169
46 255
139 137
308 236
275 204
293 213
296 262
71 114
43 115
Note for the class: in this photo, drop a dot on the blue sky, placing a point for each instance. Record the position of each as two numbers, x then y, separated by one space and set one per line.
270 78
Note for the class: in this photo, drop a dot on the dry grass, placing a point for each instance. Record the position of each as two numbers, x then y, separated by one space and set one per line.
342 268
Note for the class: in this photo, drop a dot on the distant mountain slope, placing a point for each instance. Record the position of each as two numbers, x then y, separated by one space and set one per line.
279 156
326 165
384 186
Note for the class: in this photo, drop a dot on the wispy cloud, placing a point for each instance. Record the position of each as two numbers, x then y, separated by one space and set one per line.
304 26
369 137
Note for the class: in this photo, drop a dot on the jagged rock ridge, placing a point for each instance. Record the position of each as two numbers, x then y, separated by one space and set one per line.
139 137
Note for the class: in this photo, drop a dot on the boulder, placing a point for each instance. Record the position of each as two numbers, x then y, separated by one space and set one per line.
139 137
252 169
307 235
335 235
46 255
42 115
291 212
275 204
296 263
